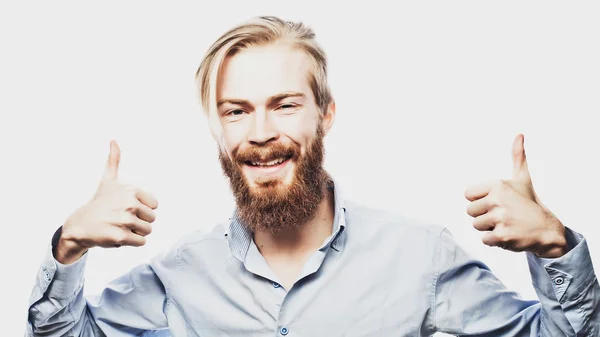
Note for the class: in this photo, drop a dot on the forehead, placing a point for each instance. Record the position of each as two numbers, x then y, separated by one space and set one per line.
259 72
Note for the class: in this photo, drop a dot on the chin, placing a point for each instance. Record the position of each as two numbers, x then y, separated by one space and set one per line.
259 185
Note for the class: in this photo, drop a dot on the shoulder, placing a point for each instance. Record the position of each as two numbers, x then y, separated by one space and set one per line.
397 241
380 225
373 219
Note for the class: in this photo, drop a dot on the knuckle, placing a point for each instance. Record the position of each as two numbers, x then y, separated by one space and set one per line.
129 193
124 200
126 218
132 204
132 192
499 215
504 217
493 200
503 237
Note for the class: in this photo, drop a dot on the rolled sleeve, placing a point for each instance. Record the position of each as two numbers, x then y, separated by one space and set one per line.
569 280
58 281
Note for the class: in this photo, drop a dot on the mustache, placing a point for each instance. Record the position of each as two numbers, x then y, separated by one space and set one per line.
265 153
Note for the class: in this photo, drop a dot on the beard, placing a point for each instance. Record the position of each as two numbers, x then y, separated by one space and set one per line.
271 205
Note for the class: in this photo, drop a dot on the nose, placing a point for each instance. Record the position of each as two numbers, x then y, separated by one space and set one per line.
262 130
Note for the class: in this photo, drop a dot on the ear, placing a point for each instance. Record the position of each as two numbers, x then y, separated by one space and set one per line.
329 117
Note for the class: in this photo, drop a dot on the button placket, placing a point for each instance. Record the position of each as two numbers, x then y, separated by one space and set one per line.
46 273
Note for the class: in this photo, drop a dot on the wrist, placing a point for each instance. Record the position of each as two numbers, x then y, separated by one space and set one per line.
65 247
555 245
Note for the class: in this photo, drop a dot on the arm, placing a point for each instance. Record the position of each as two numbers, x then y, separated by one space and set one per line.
117 215
513 217
568 286
131 304
469 300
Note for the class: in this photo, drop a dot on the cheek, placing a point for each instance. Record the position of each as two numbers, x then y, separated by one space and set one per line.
300 129
232 137
229 146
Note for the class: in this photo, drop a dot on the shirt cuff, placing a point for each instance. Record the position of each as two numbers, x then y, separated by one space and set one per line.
567 276
60 281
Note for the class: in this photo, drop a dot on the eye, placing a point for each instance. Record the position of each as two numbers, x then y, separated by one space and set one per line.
286 106
236 112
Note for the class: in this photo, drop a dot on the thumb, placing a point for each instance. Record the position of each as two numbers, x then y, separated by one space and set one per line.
112 164
520 168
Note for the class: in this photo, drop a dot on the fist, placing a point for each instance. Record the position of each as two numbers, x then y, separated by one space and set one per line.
511 214
117 215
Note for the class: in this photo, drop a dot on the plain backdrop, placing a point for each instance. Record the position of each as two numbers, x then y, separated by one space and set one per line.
430 96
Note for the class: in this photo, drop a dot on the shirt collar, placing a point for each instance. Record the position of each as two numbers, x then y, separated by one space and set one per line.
239 236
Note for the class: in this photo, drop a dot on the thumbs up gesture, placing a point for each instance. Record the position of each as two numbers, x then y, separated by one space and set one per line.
511 214
117 215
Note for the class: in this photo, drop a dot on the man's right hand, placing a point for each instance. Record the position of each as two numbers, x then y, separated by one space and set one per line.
118 215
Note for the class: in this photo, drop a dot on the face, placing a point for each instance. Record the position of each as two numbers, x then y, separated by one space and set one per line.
273 136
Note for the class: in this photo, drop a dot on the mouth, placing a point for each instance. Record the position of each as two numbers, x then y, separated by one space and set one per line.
272 167
269 163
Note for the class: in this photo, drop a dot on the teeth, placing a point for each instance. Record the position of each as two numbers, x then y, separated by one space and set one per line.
271 163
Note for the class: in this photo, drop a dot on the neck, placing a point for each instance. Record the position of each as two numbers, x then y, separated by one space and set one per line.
306 238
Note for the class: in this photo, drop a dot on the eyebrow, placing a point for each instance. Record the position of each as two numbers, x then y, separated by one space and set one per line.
274 98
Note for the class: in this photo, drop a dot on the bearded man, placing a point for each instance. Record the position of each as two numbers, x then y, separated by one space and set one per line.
295 258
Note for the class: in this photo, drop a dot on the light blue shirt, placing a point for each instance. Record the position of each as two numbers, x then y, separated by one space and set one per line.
378 274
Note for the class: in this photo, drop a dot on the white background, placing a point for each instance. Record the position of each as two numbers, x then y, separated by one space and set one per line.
429 97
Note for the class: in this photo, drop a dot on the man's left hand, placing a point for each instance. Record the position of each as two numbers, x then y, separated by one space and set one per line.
512 215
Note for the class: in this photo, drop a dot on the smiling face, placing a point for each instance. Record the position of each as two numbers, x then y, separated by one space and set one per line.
272 133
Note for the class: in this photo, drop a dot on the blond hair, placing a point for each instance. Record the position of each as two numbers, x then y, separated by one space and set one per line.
261 30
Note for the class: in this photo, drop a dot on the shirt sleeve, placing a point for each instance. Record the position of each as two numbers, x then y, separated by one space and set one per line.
569 285
130 305
470 300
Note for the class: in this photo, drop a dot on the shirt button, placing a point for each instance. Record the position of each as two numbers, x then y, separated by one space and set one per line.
276 285
559 280
284 331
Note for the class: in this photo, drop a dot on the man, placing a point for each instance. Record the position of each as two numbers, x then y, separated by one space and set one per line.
295 258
